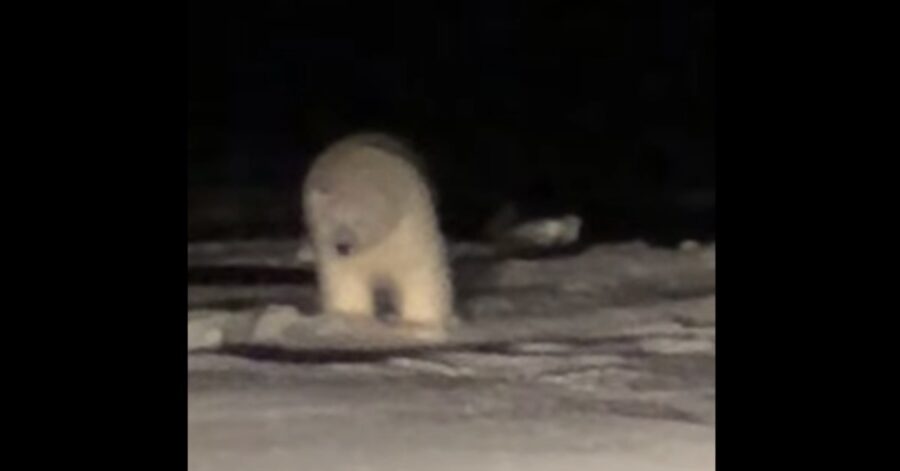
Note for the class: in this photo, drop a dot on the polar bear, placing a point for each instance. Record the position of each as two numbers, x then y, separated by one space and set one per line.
369 211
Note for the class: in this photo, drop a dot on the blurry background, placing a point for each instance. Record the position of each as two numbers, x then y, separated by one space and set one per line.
602 109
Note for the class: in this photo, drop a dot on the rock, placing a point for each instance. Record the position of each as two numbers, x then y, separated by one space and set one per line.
510 231
305 255
547 232
206 333
274 322
689 246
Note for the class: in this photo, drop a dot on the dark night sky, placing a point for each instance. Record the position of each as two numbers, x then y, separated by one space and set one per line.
602 107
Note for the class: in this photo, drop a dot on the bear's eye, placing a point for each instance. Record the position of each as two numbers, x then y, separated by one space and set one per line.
321 189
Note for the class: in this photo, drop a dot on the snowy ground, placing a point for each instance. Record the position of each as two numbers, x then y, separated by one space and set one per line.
599 360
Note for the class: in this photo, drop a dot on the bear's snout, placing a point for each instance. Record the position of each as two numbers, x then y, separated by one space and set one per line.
343 248
344 242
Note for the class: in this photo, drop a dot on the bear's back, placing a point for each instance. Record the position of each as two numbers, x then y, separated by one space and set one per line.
363 164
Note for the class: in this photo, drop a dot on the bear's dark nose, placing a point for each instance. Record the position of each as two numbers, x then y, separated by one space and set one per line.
343 248
344 241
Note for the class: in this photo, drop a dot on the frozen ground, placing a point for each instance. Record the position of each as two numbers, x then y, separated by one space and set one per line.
603 359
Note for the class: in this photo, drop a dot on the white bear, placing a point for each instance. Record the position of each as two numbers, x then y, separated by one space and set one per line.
370 214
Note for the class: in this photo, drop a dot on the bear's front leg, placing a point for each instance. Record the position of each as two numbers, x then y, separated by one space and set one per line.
347 293
425 300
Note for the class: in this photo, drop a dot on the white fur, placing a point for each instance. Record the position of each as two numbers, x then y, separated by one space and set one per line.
407 254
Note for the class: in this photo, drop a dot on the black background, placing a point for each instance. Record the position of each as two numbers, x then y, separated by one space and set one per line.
601 108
